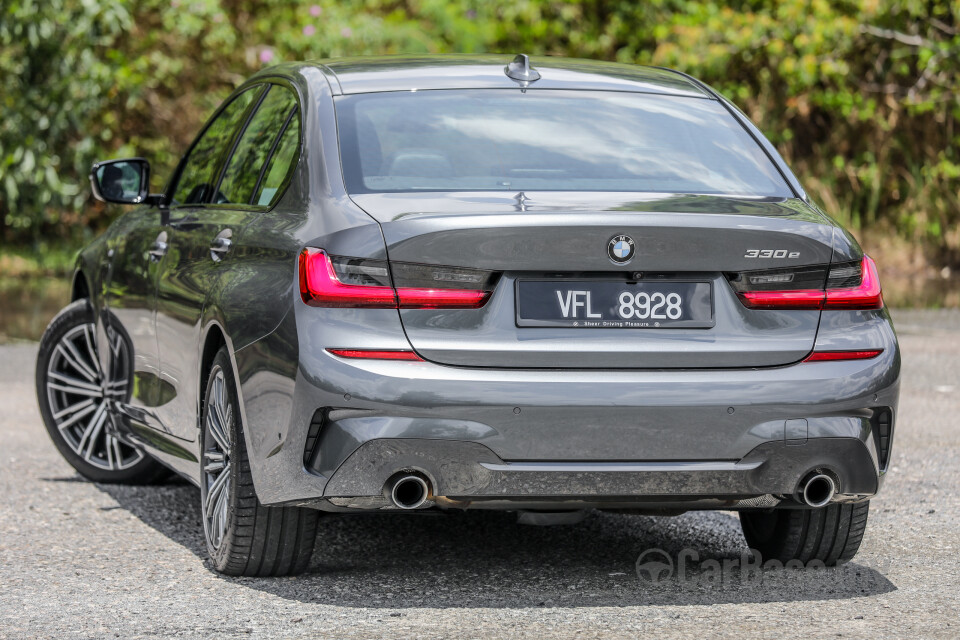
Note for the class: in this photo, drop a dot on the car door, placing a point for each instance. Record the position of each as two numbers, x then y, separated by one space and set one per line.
129 282
221 196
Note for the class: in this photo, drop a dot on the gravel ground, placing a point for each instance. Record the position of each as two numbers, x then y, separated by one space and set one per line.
80 560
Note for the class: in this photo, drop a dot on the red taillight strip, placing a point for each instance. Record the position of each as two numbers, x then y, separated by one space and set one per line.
868 295
802 299
826 356
411 298
320 287
376 354
865 296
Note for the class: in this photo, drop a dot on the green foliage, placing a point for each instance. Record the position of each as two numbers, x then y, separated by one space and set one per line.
54 78
860 96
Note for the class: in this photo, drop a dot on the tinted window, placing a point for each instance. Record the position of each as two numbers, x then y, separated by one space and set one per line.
283 160
198 175
548 140
255 145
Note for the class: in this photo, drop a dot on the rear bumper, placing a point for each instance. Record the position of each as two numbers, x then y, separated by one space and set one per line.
534 438
468 475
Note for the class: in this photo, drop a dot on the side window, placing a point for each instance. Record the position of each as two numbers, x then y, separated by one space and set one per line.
254 148
284 158
198 174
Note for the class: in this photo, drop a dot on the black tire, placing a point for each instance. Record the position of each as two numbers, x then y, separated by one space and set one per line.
248 539
109 460
830 534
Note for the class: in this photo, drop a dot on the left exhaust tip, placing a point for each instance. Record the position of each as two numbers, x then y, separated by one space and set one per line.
818 490
409 492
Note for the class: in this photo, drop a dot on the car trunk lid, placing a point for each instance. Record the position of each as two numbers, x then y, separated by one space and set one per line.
565 239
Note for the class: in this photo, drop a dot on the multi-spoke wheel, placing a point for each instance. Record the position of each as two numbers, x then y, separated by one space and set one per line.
76 395
244 537
218 427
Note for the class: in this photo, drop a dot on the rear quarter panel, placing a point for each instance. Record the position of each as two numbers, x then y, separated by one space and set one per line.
258 302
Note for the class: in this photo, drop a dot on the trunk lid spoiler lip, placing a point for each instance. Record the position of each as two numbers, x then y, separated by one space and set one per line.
394 207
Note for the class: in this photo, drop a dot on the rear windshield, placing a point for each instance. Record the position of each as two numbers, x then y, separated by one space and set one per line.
506 140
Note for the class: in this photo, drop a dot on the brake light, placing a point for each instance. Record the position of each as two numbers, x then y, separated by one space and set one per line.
369 286
850 286
867 295
826 356
320 286
441 298
376 354
803 299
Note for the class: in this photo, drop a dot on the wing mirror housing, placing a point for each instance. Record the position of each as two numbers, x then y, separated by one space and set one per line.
124 181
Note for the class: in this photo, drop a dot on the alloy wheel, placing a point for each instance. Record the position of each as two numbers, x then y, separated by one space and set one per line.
218 428
80 394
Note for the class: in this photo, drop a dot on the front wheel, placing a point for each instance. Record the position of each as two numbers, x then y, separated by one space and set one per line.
830 534
244 537
75 396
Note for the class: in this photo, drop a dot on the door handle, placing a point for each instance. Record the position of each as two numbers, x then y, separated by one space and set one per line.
221 244
159 247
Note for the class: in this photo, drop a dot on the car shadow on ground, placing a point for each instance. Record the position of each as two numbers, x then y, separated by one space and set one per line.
486 559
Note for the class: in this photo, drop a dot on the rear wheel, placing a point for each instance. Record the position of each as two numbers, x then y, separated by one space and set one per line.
75 395
831 534
244 537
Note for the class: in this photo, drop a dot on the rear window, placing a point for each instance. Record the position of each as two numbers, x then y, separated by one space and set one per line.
506 140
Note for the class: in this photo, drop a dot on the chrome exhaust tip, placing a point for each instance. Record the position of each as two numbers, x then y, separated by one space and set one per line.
818 490
409 492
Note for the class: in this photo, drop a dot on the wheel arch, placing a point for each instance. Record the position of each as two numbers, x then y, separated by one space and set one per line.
80 287
213 338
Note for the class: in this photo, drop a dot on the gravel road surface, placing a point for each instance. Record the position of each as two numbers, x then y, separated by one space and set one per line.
81 560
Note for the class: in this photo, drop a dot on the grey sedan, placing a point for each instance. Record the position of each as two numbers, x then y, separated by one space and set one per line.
444 283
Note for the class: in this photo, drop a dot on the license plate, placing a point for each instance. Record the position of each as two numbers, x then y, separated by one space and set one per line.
614 305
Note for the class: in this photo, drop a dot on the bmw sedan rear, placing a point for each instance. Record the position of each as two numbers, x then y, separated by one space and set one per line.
614 298
544 286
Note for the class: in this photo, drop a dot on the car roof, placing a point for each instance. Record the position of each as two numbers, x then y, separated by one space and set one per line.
426 72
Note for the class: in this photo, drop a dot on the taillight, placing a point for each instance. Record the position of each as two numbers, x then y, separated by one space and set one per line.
832 356
376 354
427 286
320 286
845 286
802 299
334 281
866 295
441 298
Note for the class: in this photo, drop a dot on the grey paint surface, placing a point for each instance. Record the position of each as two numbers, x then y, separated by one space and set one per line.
581 415
645 396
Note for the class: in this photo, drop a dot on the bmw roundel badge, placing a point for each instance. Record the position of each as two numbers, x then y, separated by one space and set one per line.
621 248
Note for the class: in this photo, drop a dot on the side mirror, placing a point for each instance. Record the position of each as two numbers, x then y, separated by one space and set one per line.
124 181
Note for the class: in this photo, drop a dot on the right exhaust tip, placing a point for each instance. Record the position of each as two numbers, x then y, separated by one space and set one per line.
409 492
818 490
